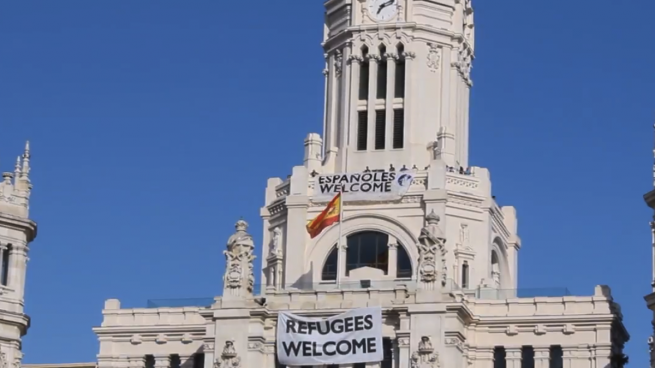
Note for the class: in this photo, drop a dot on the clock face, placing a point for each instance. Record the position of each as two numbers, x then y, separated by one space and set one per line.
382 10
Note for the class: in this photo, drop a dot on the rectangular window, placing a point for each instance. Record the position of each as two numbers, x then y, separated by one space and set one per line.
398 128
176 362
198 360
399 90
150 361
363 81
4 270
387 349
362 130
499 357
359 365
527 357
382 80
556 356
380 128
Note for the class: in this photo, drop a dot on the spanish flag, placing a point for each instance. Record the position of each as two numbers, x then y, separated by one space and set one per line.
330 215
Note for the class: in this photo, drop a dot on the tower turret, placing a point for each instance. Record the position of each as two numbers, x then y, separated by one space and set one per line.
16 233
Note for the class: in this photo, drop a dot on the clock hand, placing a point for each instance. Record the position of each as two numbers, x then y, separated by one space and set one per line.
384 5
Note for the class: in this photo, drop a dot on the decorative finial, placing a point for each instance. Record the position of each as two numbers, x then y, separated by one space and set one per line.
26 161
432 217
241 225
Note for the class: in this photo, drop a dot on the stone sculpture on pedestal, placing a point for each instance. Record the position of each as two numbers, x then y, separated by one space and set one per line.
432 244
239 279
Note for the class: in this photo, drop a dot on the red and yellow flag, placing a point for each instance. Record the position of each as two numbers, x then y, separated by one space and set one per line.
330 215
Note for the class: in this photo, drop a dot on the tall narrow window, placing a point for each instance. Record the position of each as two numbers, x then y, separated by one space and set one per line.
176 362
381 92
380 128
150 361
362 130
527 356
398 128
387 350
4 271
403 263
199 360
465 275
556 355
363 75
399 90
499 357
329 272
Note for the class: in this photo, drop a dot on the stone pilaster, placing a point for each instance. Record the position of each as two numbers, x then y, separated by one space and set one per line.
541 356
162 361
513 356
393 257
138 361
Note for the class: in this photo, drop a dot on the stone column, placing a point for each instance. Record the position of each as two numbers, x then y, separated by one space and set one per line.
484 358
373 60
513 357
208 350
407 99
341 260
17 268
391 91
601 357
392 268
541 356
567 356
403 352
162 361
186 361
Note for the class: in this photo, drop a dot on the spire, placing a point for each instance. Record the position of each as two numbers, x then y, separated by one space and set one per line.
26 162
17 170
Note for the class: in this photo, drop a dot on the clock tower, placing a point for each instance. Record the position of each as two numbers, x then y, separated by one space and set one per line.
397 83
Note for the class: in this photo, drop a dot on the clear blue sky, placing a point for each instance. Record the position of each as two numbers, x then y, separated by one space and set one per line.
155 125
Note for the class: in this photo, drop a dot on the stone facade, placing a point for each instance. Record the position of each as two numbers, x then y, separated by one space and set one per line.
441 261
16 233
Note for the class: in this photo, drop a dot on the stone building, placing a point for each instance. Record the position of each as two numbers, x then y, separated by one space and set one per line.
16 233
441 259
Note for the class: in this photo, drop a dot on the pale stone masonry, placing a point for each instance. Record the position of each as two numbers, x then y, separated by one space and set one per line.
445 264
16 233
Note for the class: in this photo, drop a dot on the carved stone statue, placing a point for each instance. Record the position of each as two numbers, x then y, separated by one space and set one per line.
425 356
238 261
495 274
276 243
431 245
3 359
464 235
229 357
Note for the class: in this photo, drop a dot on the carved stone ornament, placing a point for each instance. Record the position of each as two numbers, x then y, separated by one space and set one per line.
239 275
229 357
434 57
464 236
276 242
431 245
338 62
3 359
425 356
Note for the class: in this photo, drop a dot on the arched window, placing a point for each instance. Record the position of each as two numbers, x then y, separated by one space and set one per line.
367 249
329 272
465 275
4 271
403 263
495 268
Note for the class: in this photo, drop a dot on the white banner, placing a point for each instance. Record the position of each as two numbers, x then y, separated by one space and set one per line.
351 337
366 186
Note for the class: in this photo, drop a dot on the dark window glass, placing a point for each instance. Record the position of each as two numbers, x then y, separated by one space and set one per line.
527 357
403 263
359 365
199 360
499 357
329 272
367 249
399 89
150 361
556 355
387 349
4 275
380 128
363 76
382 76
465 275
175 361
398 128
362 130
